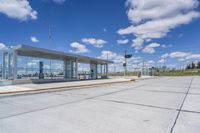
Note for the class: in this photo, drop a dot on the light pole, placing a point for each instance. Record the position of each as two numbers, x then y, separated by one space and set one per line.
125 69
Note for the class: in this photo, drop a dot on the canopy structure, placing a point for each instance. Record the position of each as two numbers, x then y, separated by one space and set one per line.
17 60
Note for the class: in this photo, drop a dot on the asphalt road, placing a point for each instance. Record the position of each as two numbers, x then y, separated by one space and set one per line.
161 105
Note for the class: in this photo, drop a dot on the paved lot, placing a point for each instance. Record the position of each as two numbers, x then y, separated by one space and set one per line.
162 105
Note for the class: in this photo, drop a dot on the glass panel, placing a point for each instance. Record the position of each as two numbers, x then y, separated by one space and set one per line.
28 67
6 65
99 71
73 69
11 65
84 71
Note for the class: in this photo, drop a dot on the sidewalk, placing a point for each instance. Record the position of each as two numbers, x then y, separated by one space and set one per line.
33 88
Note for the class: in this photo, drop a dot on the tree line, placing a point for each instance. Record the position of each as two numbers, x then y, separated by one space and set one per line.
193 65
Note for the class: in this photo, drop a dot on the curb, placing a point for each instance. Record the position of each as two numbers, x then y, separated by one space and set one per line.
61 88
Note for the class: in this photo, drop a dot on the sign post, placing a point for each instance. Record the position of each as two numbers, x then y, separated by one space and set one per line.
125 64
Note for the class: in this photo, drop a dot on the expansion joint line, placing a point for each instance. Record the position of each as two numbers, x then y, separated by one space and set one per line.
67 103
180 109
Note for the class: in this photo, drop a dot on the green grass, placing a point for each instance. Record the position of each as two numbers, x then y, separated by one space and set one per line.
181 73
167 73
122 74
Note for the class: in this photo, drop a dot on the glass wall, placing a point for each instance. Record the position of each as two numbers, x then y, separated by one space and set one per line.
99 71
29 68
84 71
74 69
104 70
7 70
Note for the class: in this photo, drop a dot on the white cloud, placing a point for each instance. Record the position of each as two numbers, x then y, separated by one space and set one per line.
179 54
2 46
18 9
34 39
98 43
137 43
141 10
162 61
125 41
79 48
59 1
151 62
166 46
134 63
148 63
116 58
152 19
193 56
164 56
150 49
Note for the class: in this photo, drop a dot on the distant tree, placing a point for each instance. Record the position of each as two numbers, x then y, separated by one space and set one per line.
198 65
188 67
192 65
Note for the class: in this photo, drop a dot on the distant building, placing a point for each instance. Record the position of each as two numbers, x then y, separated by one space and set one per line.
151 71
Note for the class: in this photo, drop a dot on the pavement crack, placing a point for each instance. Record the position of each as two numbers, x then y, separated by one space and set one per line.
189 111
180 109
138 104
163 91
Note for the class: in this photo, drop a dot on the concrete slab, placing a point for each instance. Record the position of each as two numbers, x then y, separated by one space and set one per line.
8 109
159 99
165 88
91 116
30 103
195 91
192 103
187 123
148 106
91 92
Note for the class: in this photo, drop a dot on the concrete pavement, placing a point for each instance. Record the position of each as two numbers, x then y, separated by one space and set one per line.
28 88
161 105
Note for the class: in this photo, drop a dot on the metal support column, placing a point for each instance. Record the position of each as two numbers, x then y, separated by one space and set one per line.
101 71
76 68
106 70
15 65
3 66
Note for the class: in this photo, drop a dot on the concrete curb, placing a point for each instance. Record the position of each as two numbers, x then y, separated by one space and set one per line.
61 88
146 78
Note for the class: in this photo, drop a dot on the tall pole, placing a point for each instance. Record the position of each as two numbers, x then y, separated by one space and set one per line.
125 69
114 69
165 64
49 35
143 70
107 55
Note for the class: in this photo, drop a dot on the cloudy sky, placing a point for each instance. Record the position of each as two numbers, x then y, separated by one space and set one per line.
160 32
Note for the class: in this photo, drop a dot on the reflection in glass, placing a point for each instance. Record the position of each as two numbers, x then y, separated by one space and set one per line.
28 67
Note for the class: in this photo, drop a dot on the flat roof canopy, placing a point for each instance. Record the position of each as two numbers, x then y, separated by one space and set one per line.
25 50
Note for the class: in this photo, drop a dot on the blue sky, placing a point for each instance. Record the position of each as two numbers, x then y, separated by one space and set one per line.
158 33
